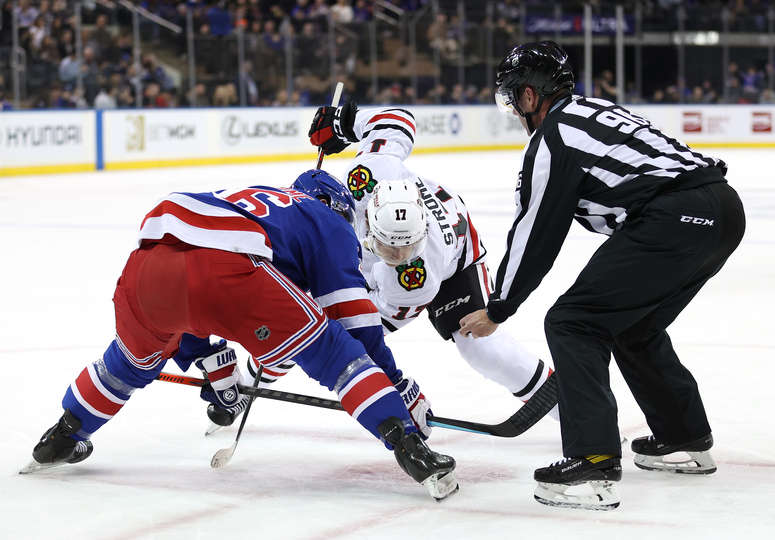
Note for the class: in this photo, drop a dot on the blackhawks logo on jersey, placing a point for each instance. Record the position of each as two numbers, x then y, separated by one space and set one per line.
360 181
412 276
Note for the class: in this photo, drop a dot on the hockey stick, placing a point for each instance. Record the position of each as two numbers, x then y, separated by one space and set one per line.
222 457
531 412
334 103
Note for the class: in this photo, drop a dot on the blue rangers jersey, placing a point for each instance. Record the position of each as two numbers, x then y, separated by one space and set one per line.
310 244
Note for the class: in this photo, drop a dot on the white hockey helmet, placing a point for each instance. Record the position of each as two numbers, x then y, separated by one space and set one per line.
396 222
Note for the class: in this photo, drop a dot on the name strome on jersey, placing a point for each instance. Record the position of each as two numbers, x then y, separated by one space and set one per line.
402 292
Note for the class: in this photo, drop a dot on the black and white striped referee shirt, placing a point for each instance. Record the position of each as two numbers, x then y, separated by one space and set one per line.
595 161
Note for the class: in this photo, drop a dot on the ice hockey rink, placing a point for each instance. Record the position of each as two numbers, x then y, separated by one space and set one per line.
306 473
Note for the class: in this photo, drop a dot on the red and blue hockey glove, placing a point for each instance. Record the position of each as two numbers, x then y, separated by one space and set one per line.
419 407
222 372
332 128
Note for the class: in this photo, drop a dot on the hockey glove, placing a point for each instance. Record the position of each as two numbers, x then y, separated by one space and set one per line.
332 128
222 372
419 407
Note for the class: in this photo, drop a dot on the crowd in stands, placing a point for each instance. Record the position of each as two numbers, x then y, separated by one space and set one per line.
108 74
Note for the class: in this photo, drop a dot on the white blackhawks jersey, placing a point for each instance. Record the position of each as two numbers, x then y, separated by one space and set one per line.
401 293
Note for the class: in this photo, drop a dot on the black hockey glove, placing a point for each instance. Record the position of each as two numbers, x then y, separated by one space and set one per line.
332 128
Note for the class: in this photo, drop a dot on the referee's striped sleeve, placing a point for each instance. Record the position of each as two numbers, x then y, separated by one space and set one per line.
545 209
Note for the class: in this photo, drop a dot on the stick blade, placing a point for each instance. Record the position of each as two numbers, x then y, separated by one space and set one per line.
222 457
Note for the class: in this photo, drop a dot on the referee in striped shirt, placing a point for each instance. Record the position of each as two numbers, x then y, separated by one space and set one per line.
672 221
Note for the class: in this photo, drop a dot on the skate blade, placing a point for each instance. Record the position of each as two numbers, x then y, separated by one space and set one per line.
33 467
212 428
603 497
698 463
441 485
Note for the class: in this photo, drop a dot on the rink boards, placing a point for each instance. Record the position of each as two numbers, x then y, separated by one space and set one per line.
40 142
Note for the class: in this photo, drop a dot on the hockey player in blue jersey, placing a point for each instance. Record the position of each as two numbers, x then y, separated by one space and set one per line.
236 264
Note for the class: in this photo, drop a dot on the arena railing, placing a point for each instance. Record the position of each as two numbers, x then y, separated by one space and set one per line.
446 51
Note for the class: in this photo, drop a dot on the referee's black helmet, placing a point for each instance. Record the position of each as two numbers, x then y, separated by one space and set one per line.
542 65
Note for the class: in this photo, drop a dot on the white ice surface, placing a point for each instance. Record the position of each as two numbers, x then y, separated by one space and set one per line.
305 473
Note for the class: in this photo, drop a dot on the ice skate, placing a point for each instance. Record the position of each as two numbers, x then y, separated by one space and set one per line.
57 447
650 455
582 482
220 417
433 470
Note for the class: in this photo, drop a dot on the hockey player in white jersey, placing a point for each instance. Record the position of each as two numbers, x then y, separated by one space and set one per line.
423 251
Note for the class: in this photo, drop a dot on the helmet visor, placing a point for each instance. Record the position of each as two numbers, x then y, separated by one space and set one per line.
395 255
505 99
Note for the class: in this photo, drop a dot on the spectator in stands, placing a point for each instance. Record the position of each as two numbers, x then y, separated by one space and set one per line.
68 69
26 14
225 95
471 95
606 86
219 19
410 98
246 83
502 34
751 84
125 98
734 92
300 13
509 9
198 97
65 42
106 98
295 99
38 32
672 95
90 74
697 95
101 37
457 95
362 12
272 38
280 99
319 10
342 12
486 96
5 105
307 46
438 94
154 72
150 93
767 96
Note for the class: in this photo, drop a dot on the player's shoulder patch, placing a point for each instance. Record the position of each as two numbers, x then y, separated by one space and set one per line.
360 181
412 276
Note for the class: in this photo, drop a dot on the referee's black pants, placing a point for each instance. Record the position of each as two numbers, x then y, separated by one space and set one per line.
633 287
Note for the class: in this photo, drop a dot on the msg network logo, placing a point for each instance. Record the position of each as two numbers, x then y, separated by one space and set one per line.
140 132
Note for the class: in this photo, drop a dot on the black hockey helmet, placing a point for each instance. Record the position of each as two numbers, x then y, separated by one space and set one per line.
542 65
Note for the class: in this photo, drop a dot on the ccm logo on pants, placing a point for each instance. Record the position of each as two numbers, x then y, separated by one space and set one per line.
452 305
697 220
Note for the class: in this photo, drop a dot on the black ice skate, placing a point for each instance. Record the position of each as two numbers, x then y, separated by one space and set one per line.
649 454
57 447
221 417
433 470
595 472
